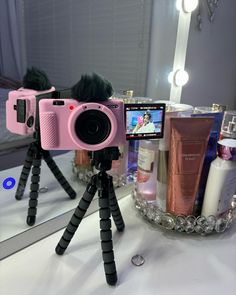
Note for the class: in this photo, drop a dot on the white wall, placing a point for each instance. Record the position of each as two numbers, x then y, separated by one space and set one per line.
211 59
162 48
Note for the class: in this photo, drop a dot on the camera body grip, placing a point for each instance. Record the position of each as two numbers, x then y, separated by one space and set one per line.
49 136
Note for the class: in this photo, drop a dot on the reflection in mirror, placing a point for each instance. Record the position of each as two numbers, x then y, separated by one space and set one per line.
131 43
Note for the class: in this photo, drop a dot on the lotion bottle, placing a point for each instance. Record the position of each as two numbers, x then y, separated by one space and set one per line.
221 182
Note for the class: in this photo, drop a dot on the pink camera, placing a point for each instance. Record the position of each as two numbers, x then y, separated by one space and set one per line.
21 110
67 124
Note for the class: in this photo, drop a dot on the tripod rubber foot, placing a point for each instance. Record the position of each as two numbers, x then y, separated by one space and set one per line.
111 279
59 250
121 228
73 195
31 220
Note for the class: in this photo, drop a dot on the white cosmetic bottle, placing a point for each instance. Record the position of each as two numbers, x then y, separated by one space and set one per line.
221 181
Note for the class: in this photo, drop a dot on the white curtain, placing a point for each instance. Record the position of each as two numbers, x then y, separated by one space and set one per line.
11 62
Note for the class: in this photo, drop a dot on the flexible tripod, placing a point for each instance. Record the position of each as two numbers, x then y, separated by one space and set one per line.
108 206
34 156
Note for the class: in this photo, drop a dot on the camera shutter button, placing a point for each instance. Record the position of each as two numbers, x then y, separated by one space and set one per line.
30 121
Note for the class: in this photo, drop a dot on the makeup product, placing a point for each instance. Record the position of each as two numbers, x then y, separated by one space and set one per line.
211 152
82 160
134 144
221 182
126 165
82 165
228 129
218 107
172 110
188 143
119 167
147 169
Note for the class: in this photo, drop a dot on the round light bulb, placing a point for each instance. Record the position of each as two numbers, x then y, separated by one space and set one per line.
178 4
189 5
181 77
171 77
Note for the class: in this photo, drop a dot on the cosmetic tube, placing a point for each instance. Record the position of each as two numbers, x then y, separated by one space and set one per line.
172 110
188 143
211 154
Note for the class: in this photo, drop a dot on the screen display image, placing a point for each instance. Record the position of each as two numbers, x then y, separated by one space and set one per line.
144 121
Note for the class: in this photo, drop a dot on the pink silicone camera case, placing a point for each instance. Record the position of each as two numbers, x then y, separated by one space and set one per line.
57 124
11 114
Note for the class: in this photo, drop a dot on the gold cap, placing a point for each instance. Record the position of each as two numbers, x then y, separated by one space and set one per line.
128 93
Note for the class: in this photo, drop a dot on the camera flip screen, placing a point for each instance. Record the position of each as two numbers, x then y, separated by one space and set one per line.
144 121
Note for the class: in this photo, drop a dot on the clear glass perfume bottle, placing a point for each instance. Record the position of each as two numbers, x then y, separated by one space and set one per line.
147 169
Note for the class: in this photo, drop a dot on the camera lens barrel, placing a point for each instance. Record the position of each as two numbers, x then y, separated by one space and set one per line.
92 127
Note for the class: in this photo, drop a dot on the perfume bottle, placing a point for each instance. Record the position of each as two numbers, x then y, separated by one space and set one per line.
228 129
221 182
147 169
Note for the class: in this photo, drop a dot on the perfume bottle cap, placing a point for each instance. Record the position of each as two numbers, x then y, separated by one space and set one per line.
128 93
218 107
227 149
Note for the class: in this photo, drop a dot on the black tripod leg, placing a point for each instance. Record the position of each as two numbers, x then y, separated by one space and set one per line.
34 188
115 210
57 173
105 226
25 173
77 216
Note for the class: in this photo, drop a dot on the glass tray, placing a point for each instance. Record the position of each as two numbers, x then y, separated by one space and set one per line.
184 224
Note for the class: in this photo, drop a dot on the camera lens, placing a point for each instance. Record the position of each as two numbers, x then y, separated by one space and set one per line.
92 127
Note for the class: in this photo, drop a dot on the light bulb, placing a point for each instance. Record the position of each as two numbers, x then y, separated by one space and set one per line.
186 5
178 4
181 77
189 5
171 77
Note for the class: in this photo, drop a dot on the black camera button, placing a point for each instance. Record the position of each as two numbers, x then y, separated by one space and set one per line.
58 102
30 121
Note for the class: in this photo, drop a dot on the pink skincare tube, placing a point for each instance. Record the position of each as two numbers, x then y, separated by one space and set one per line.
188 143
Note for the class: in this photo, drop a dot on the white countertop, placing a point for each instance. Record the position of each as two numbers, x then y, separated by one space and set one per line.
53 210
174 263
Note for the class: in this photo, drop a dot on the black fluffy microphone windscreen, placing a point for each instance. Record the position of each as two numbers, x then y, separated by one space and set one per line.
92 88
36 79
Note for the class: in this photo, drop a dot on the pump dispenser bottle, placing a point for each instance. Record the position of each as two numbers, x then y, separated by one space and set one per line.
221 182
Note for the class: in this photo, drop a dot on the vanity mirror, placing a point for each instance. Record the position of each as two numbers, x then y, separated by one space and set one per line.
131 43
